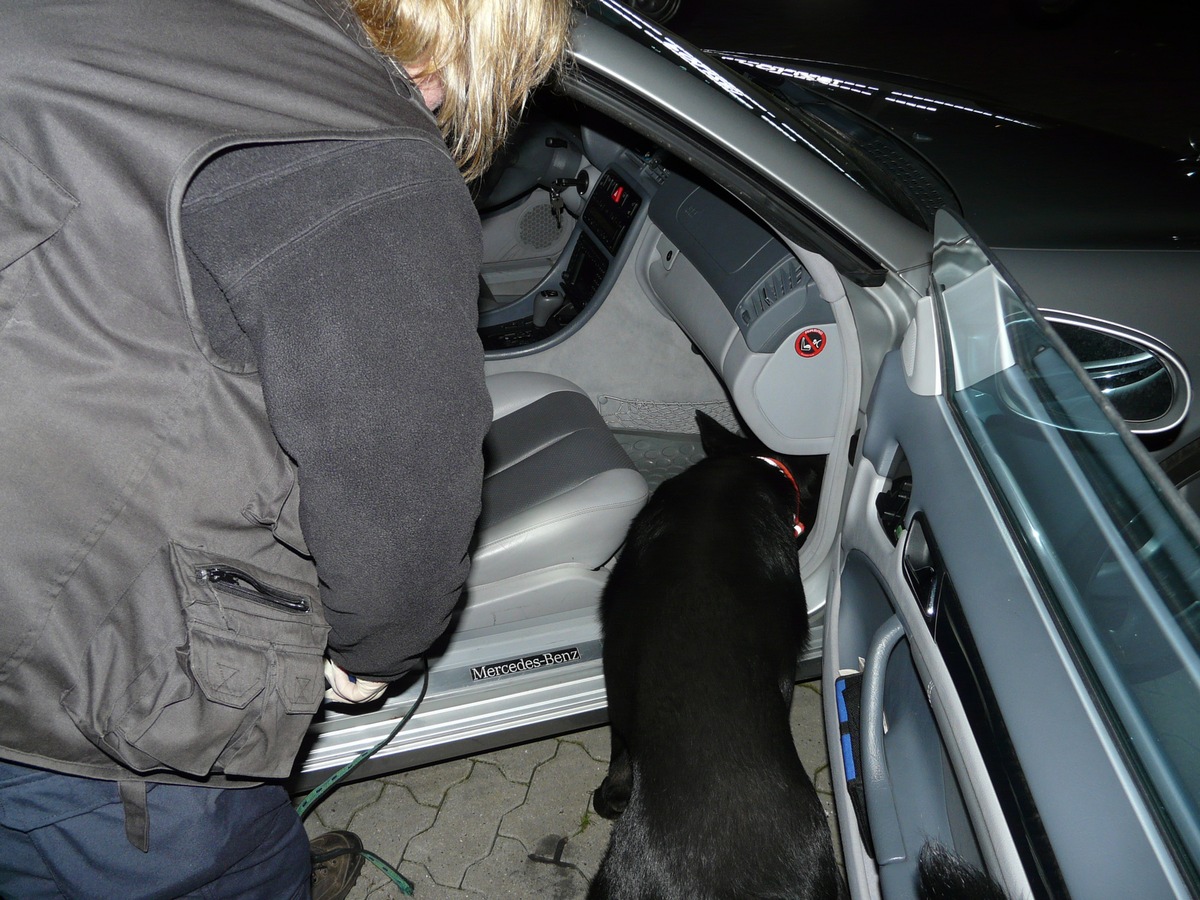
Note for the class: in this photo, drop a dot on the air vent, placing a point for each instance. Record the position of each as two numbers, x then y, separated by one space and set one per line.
777 305
784 279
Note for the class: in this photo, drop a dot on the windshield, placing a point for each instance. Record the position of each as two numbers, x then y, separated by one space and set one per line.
865 153
894 171
1115 549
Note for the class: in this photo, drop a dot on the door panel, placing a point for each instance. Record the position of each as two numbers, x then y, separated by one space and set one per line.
995 744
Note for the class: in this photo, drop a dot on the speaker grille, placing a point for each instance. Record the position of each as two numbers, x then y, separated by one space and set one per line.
538 228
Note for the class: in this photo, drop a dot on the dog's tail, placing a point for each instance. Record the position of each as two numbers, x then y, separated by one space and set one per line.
944 875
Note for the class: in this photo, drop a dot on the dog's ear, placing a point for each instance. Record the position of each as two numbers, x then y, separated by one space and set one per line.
720 441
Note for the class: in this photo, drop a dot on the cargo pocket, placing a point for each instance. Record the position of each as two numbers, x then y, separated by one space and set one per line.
225 675
33 207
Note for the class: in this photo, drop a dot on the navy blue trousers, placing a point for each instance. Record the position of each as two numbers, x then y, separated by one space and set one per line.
62 836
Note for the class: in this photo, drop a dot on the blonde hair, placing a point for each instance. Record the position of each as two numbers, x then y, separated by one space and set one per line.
489 55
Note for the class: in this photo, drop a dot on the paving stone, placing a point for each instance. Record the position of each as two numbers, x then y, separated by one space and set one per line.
337 808
831 817
424 886
465 828
596 741
372 884
518 763
430 783
509 874
807 729
389 825
821 779
558 800
586 847
372 887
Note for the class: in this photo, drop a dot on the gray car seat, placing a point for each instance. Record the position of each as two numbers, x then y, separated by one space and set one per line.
523 658
559 493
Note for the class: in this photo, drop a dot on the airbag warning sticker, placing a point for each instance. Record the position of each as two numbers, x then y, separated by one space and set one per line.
525 664
810 342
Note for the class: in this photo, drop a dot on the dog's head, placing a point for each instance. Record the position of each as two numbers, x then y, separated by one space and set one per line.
804 471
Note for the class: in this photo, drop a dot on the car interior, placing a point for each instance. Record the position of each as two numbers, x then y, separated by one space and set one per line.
612 265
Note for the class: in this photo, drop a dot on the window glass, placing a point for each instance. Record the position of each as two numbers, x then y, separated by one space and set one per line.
1113 545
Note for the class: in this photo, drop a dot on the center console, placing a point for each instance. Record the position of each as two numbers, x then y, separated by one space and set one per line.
592 259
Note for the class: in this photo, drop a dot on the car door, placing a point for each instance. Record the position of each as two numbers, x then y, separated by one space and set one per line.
1010 660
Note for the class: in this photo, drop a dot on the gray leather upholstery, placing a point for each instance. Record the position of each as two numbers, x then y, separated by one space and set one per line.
558 488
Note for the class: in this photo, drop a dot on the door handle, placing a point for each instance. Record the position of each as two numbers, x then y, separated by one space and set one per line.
925 571
882 817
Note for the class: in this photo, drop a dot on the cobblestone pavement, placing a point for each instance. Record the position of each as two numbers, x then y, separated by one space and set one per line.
470 829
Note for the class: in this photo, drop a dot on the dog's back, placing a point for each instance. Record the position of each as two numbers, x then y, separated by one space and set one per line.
704 616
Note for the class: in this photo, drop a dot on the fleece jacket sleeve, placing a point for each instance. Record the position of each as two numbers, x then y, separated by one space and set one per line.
353 273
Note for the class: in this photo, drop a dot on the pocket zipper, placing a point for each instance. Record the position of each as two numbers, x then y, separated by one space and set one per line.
236 582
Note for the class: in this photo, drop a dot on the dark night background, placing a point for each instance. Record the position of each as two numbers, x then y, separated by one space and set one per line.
1125 66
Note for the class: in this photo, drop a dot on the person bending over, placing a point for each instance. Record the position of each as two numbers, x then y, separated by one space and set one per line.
243 409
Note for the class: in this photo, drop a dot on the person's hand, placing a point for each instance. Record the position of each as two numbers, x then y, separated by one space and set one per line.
345 688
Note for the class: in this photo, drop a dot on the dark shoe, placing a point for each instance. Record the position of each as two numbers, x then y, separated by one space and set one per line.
336 861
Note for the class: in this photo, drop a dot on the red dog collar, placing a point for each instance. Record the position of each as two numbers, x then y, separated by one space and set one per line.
797 525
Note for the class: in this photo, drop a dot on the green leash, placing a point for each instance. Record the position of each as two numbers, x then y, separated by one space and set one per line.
316 794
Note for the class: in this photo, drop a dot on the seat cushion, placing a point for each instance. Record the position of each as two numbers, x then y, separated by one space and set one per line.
558 487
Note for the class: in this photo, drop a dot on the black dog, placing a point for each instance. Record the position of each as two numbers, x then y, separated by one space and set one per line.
703 618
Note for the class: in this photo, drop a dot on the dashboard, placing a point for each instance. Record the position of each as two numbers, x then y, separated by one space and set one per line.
741 296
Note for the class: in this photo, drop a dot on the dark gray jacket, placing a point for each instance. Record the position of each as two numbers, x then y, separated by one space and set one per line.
160 610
